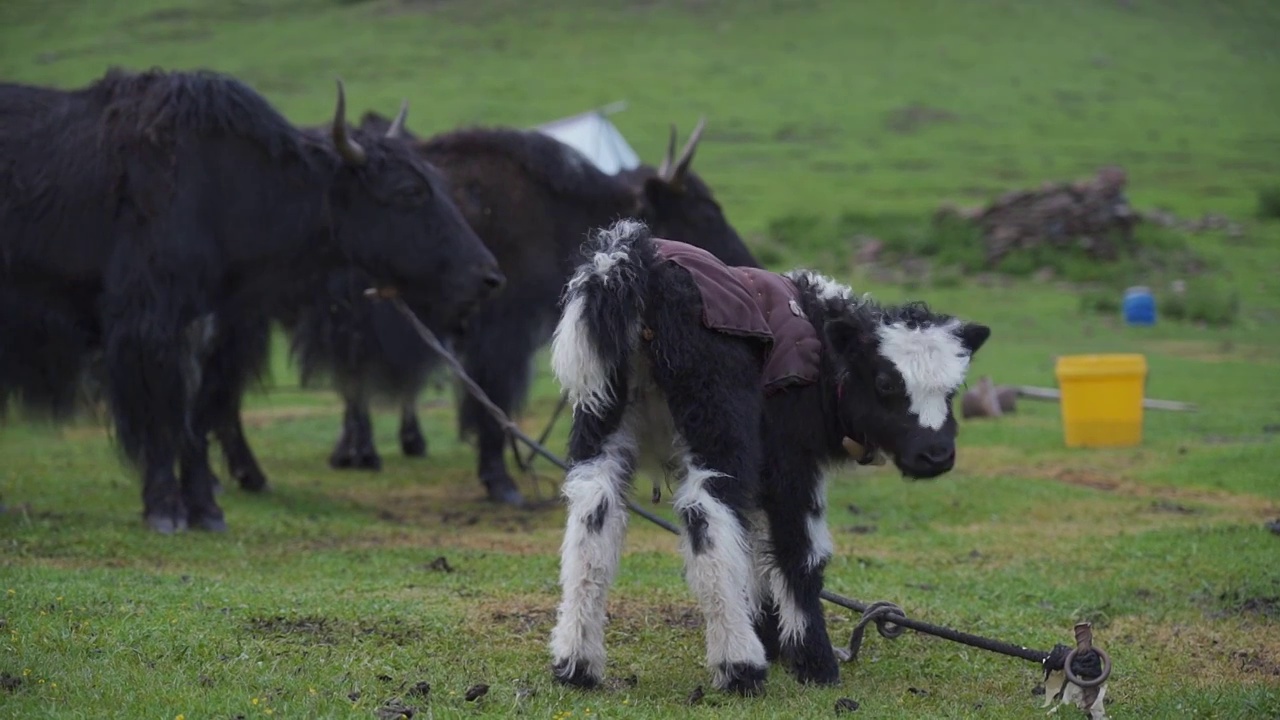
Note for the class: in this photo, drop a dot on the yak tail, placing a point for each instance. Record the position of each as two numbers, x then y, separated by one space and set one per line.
600 324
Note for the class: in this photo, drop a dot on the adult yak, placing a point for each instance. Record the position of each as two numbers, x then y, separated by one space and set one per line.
533 201
160 217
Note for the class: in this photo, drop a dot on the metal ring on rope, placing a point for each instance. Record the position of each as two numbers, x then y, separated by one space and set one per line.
1095 682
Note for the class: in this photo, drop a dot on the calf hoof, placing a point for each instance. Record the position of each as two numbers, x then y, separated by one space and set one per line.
413 445
817 671
575 674
354 460
502 490
166 523
250 479
741 678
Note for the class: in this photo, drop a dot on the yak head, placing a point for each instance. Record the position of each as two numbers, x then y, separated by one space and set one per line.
897 370
394 218
677 205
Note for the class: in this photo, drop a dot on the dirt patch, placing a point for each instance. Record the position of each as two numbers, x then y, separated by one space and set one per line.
625 616
260 417
1251 662
321 630
914 118
9 683
1231 603
1213 352
1112 474
1224 652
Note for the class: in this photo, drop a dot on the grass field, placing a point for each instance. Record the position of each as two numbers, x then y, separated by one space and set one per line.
326 597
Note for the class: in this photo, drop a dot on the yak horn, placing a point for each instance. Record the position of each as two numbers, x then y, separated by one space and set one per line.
670 157
349 149
686 157
397 125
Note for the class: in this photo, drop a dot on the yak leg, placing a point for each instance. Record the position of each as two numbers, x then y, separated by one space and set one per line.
500 363
595 488
412 442
241 462
242 345
355 447
198 485
795 555
148 386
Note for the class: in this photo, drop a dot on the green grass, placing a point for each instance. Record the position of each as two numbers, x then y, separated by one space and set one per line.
825 120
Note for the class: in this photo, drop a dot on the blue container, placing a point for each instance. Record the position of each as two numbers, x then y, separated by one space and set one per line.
1139 306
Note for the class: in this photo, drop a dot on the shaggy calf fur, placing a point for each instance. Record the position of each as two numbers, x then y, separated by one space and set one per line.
652 381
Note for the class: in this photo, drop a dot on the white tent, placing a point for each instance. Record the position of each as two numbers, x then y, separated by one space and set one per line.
593 135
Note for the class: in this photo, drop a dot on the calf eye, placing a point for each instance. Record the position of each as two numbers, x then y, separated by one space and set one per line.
888 385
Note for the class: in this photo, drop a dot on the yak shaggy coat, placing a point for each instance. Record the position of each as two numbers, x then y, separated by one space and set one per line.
652 381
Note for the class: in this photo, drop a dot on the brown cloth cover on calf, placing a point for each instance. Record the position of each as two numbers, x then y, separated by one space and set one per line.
753 303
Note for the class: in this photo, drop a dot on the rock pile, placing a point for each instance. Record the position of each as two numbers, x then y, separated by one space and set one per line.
1092 214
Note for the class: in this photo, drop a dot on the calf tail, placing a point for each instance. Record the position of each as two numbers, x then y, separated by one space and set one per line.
600 324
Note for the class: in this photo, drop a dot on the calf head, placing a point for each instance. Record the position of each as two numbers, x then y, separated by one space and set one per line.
394 218
898 370
676 204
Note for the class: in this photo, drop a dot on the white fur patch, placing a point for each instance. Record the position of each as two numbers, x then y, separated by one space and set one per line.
821 546
933 363
722 577
576 364
825 287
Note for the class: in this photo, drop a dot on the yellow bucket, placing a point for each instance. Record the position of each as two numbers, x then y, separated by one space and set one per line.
1102 399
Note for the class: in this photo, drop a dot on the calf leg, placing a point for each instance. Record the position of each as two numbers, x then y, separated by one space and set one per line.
355 447
798 550
595 488
412 442
766 621
718 567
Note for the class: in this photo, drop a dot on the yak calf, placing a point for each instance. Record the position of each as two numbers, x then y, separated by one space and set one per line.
747 383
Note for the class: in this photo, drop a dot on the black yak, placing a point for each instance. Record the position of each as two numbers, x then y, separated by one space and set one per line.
747 385
161 217
533 201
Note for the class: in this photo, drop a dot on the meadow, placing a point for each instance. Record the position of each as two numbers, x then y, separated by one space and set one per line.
344 594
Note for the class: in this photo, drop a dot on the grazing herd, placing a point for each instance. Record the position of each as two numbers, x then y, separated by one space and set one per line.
155 225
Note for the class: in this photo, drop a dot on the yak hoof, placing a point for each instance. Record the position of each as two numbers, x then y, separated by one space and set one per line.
502 489
250 479
352 460
212 523
166 523
413 445
575 674
742 678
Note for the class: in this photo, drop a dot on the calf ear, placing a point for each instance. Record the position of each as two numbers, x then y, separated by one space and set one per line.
846 336
973 335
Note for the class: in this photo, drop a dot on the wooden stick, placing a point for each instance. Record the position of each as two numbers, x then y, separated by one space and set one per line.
1040 393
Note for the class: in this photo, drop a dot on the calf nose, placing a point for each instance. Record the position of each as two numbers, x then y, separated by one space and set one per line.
938 455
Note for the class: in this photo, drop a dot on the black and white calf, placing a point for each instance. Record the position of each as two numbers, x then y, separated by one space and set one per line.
747 384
